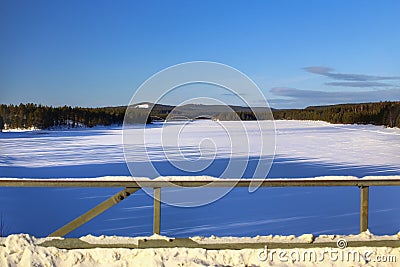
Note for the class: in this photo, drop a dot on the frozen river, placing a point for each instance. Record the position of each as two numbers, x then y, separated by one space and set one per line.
303 149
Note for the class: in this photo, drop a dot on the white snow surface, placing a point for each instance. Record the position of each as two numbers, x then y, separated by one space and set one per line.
357 145
24 250
142 106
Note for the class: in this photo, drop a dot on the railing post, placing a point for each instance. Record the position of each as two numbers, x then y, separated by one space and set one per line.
157 211
364 195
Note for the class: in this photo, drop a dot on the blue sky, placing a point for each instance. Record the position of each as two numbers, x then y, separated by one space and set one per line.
300 53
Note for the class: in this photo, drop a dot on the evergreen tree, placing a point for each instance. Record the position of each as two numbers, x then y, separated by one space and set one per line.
1 124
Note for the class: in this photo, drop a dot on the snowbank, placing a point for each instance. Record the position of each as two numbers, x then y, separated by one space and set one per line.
25 250
17 130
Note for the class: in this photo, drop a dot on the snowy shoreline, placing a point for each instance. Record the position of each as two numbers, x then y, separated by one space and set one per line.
119 126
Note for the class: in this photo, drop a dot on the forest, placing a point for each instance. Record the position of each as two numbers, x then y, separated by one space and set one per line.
25 116
380 113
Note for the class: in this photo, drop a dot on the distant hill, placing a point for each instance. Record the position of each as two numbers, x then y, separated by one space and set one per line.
42 117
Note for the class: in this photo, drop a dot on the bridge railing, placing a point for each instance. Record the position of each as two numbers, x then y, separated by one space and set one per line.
131 185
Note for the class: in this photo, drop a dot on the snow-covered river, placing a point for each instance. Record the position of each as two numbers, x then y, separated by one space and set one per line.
303 149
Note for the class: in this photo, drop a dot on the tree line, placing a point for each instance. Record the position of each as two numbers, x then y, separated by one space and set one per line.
30 115
43 117
380 113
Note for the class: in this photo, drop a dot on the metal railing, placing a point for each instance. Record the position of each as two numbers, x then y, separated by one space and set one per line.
131 186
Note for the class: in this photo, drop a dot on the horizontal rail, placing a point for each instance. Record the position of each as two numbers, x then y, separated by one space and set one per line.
76 243
192 182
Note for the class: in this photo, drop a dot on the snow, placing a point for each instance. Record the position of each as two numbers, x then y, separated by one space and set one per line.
25 250
302 141
142 106
5 130
199 178
96 179
61 148
358 145
186 178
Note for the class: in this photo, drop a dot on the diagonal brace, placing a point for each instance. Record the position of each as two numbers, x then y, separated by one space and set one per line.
84 218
